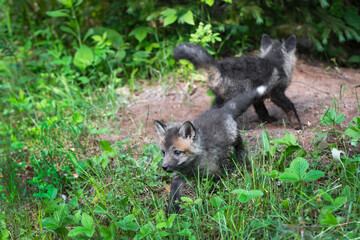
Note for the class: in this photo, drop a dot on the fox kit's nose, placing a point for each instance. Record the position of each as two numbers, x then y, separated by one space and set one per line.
167 168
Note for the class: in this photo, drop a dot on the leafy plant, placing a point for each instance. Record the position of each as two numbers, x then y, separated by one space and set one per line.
297 173
353 131
290 143
245 196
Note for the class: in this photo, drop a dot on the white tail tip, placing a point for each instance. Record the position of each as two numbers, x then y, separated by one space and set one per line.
261 90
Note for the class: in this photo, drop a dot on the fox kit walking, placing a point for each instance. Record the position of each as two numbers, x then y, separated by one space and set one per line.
230 76
200 148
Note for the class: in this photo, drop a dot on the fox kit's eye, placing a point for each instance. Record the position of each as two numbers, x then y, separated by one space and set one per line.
177 152
163 153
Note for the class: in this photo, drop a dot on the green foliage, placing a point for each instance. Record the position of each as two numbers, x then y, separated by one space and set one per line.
204 35
289 143
353 131
298 172
245 196
87 227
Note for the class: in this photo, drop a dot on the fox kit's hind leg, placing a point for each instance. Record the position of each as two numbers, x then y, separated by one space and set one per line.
279 98
262 112
241 155
177 183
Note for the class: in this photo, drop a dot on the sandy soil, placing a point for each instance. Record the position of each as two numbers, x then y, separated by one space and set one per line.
311 90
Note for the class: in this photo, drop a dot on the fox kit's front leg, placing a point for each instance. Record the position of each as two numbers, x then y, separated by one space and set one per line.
177 183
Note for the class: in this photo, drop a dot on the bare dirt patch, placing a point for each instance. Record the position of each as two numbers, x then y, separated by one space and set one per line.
311 90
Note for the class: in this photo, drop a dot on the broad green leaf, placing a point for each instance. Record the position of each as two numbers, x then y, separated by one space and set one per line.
285 204
171 220
265 141
100 210
245 196
340 118
146 229
346 191
186 199
50 223
53 205
288 140
339 201
140 33
353 131
77 118
108 233
77 216
170 16
326 196
77 231
299 166
105 145
209 2
272 174
216 201
354 59
313 175
324 3
163 233
52 193
188 18
84 57
59 13
352 18
87 221
104 160
68 30
161 225
66 3
128 223
289 177
115 37
326 218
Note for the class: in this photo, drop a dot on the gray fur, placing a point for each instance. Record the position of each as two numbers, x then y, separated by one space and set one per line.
207 141
231 76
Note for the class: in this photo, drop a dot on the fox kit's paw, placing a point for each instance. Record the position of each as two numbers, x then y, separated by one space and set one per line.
269 119
294 120
297 126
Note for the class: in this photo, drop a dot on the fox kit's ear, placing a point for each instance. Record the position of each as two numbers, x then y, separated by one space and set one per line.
290 43
266 42
187 131
160 128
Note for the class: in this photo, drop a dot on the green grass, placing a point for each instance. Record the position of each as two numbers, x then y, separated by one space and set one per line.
58 180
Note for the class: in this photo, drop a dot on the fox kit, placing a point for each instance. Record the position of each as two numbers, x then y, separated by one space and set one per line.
230 76
200 148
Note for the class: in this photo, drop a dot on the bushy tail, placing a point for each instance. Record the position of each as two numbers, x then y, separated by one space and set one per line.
196 54
242 101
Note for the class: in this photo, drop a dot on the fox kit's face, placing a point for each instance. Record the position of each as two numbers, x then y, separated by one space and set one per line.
282 53
176 145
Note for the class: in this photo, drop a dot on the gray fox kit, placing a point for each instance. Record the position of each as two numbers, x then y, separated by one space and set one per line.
200 148
230 76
